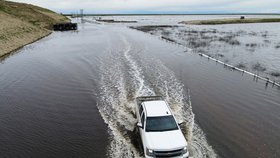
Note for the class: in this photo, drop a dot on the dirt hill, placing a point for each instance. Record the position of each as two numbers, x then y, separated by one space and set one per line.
21 24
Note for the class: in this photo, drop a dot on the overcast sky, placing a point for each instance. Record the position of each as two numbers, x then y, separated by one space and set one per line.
160 6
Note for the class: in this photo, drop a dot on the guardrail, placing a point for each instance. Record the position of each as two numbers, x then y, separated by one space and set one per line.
256 76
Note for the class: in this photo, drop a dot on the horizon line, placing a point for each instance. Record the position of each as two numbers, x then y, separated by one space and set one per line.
104 14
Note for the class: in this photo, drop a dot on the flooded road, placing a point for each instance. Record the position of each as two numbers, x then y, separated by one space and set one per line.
72 95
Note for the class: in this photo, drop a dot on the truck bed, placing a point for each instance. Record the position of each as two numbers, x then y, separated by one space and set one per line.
139 100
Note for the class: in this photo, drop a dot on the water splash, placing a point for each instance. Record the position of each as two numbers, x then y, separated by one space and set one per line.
128 78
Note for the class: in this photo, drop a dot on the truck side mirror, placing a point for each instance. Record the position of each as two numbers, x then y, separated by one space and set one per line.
139 125
180 122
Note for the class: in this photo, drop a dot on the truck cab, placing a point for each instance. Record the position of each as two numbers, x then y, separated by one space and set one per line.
159 131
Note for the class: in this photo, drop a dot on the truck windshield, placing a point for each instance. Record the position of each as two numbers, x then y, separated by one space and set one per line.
159 124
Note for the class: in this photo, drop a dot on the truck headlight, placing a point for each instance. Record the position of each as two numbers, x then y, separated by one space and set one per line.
185 150
149 152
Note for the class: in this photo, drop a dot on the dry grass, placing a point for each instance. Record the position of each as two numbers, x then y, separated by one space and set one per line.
35 15
22 24
231 21
115 21
149 28
15 33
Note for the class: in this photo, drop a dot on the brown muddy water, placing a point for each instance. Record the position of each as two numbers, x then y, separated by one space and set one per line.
72 95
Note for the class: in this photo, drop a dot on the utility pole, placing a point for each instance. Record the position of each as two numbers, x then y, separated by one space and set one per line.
82 14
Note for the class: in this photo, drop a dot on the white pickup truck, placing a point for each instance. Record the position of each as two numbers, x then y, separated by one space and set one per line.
160 133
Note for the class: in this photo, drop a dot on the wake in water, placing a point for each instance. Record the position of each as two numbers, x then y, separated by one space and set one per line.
123 79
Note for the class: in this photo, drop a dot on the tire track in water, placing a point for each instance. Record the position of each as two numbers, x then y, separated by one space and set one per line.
124 80
115 106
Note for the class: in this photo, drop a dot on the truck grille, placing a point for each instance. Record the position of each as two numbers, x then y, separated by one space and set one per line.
171 153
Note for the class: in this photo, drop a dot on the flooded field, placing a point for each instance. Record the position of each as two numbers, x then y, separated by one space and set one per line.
252 47
73 94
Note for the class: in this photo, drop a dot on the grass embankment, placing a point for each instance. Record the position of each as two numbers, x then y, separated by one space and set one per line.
21 24
231 21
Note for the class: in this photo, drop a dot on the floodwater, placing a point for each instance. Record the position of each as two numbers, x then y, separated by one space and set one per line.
173 19
72 95
252 47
